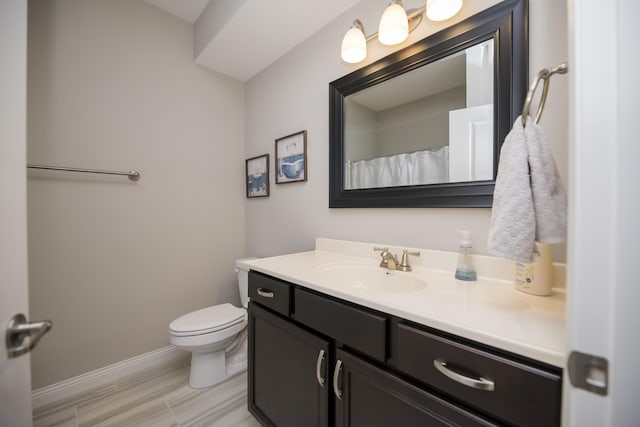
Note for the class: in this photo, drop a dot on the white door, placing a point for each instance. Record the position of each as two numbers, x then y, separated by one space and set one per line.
15 375
471 144
604 216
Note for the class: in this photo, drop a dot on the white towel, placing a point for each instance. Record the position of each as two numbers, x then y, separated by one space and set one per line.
526 208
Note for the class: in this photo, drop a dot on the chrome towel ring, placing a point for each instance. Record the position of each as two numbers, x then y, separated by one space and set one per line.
543 74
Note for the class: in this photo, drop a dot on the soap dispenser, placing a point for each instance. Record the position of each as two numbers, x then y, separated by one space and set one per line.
536 277
465 270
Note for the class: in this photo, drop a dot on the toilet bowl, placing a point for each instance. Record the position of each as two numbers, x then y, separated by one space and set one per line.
213 336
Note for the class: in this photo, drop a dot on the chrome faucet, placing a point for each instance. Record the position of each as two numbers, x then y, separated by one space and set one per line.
389 260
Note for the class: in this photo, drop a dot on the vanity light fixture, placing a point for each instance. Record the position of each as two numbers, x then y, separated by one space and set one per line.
354 44
395 26
441 10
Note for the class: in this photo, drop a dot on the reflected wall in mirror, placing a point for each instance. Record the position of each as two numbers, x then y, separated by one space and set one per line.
428 126
423 127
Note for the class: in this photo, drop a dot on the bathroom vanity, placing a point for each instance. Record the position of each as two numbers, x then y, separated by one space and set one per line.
334 339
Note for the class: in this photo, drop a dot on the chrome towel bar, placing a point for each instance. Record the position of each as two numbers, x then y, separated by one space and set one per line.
133 175
544 74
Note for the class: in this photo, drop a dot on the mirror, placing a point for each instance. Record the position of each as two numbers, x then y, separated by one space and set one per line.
423 127
431 125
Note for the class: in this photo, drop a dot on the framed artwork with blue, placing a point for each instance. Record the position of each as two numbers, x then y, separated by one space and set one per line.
291 158
258 176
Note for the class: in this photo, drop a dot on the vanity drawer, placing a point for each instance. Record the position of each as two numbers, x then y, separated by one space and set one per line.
270 292
359 329
521 394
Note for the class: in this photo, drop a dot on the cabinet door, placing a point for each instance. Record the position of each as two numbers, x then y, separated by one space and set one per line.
286 368
368 396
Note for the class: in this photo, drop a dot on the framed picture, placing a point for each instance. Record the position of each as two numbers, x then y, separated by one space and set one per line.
291 158
258 176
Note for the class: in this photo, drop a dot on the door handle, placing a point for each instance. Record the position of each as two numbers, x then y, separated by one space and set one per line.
18 329
265 293
318 367
477 383
336 374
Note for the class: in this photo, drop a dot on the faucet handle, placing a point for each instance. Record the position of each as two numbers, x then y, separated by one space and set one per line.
404 263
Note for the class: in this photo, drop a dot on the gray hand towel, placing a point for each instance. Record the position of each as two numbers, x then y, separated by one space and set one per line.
549 197
526 208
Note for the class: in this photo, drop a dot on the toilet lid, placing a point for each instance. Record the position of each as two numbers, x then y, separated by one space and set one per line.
206 320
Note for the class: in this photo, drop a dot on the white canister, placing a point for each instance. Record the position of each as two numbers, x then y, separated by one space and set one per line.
537 277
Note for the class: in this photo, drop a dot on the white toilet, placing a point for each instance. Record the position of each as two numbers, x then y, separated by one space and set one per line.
212 334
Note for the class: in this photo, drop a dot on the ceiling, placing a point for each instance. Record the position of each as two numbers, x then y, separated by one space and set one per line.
240 38
422 82
187 10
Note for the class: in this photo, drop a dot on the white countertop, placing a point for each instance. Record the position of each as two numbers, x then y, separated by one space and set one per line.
490 311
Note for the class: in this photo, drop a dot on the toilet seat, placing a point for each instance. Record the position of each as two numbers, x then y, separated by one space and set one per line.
207 320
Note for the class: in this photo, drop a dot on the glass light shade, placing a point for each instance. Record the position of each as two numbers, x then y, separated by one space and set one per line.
354 46
394 25
440 10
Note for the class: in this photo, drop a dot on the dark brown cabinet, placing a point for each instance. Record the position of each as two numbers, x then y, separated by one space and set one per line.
361 330
284 390
315 360
513 391
370 397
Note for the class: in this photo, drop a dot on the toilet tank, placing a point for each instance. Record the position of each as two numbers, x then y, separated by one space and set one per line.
243 280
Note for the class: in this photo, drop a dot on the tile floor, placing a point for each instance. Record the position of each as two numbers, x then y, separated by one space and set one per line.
157 397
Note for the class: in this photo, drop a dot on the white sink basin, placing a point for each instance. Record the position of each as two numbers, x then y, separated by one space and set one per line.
371 278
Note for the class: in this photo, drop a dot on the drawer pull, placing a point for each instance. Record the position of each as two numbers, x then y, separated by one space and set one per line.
318 367
336 374
477 383
265 293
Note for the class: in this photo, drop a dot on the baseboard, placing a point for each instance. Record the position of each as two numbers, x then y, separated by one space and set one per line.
109 374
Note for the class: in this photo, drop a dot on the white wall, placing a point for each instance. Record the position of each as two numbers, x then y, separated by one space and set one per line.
362 132
112 85
419 124
413 126
292 94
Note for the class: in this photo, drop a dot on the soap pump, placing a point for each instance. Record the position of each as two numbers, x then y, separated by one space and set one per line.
465 270
536 277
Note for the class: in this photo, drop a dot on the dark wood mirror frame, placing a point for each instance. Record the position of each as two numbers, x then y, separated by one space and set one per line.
507 24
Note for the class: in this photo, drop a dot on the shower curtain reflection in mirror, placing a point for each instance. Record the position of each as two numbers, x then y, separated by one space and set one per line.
420 167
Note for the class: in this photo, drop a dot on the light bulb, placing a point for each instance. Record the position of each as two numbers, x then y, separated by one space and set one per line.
394 25
354 44
440 10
